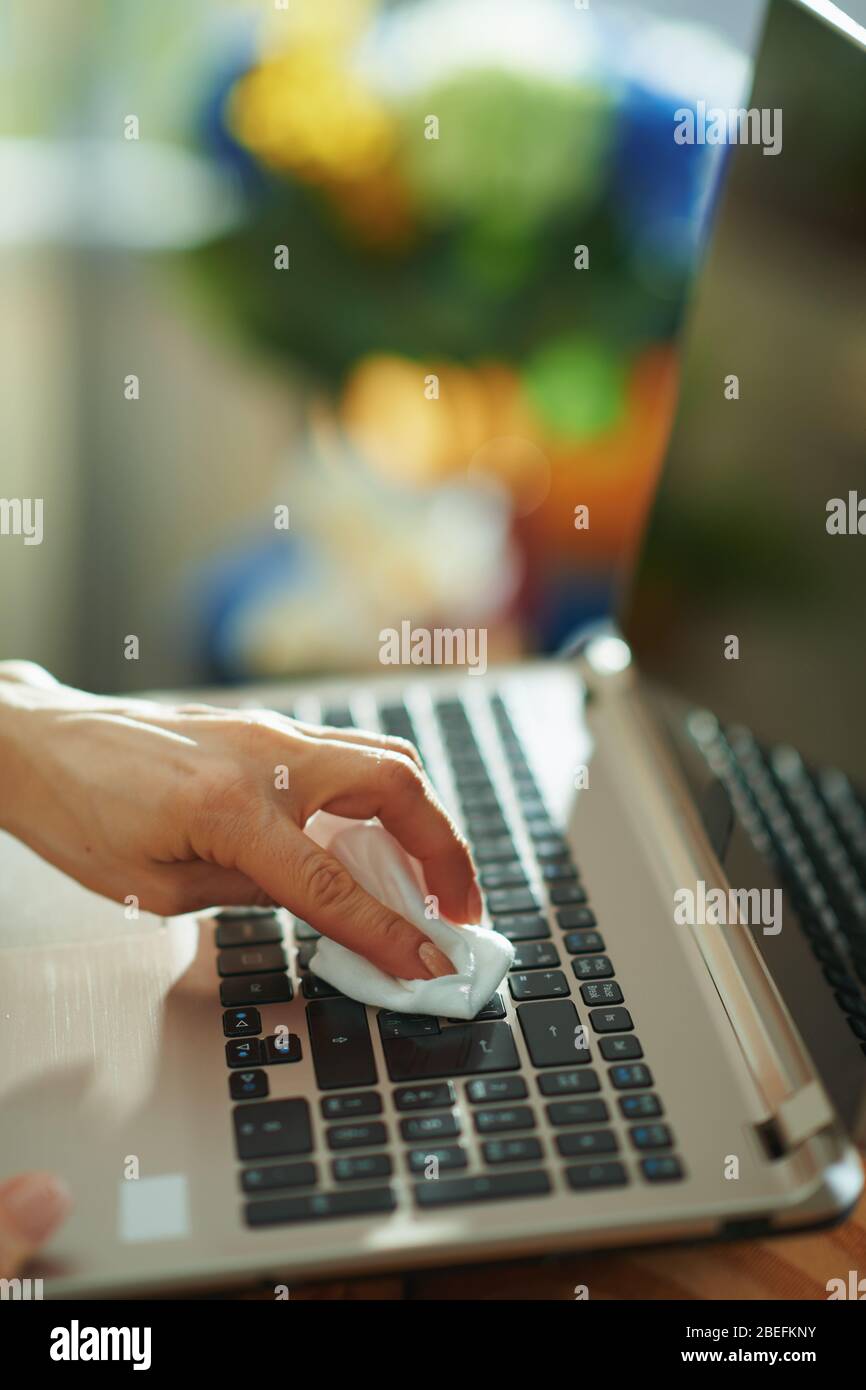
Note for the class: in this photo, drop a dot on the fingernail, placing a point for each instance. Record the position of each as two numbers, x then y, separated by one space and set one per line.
475 904
35 1205
435 961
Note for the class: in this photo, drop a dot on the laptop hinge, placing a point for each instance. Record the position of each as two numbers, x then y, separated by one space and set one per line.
799 1117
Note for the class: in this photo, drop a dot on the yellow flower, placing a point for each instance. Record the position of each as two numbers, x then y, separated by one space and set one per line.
303 112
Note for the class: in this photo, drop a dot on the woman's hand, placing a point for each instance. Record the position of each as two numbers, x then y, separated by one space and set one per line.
32 1206
192 807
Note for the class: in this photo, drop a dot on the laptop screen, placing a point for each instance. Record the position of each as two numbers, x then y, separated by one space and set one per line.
748 597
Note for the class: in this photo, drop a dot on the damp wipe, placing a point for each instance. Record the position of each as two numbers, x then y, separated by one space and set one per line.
480 956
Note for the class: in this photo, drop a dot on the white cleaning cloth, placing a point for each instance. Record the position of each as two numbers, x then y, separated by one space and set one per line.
382 867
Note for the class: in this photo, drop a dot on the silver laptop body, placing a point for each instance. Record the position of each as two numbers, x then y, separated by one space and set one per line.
688 1107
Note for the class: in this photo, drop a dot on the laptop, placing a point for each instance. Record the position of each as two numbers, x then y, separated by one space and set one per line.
669 825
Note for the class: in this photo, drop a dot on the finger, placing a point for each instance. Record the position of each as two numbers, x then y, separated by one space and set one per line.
359 784
363 738
314 885
32 1206
28 673
191 887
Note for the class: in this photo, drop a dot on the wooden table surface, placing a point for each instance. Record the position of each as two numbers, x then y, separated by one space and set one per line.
790 1267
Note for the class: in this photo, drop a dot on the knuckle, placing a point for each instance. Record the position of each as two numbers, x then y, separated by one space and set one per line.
326 882
391 930
407 748
399 776
257 732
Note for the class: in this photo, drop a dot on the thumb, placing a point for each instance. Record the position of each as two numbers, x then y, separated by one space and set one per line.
32 1206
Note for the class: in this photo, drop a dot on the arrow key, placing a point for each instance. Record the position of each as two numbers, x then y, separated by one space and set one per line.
240 1023
553 1033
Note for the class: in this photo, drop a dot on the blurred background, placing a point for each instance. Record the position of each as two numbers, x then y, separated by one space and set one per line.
431 387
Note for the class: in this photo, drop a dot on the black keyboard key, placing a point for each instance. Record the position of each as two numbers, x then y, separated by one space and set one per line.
425 1097
662 1169
396 1025
535 955
479 799
337 716
488 1089
568 1083
484 824
255 931
577 1112
248 1085
467 760
583 942
568 893
583 1176
609 1020
553 1033
241 1023
555 847
851 1002
626 1049
360 1136
520 927
498 850
592 967
351 1107
273 1129
436 1159
540 984
367 1201
587 1141
361 1166
651 1136
524 783
304 932
418 1128
282 1047
558 872
470 773
451 711
278 1175
606 992
503 876
839 978
314 988
509 900
633 1076
234 914
251 960
340 1040
505 1118
579 918
306 951
494 1008
640 1107
256 989
395 720
244 1052
511 1150
458 1051
498 1187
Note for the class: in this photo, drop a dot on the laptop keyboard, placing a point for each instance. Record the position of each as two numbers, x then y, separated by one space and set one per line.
448 1078
811 826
